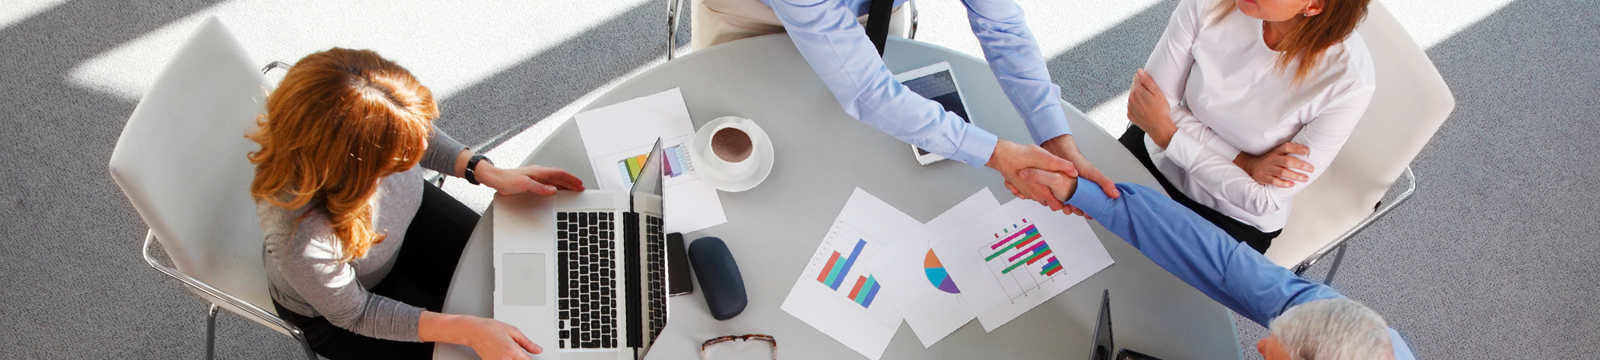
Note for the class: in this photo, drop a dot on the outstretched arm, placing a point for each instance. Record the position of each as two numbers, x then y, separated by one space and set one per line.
831 40
1191 248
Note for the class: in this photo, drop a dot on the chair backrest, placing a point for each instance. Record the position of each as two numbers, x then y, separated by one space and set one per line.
181 162
1409 105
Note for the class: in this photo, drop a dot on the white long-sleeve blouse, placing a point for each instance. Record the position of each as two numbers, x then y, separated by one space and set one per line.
1228 97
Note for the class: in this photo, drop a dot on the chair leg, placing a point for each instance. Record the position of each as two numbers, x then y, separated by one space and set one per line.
211 331
1337 259
304 344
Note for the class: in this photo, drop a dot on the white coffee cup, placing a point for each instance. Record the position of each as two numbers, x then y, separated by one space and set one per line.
732 150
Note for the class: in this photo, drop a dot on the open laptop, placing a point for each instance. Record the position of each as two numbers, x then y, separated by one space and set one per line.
583 273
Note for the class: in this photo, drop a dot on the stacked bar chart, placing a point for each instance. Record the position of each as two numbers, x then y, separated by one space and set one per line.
677 162
1020 258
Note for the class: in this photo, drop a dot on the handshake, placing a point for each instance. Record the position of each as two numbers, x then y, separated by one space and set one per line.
1046 173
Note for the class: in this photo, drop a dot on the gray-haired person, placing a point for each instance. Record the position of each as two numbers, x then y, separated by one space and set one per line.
1307 320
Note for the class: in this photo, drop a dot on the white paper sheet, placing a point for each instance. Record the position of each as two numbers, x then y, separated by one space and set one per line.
990 258
866 322
913 271
613 134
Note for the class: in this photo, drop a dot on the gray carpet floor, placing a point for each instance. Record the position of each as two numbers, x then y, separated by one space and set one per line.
1490 260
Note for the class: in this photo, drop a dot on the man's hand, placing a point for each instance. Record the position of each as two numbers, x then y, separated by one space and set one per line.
537 179
1276 167
1060 186
1011 158
1064 147
1148 109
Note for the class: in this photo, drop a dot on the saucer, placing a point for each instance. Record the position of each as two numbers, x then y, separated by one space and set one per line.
700 149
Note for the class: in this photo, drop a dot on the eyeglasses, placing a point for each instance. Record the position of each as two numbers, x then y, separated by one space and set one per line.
723 339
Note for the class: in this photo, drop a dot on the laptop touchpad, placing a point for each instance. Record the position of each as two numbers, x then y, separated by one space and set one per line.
524 277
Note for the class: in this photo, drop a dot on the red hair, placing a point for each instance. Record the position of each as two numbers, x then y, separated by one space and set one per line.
340 120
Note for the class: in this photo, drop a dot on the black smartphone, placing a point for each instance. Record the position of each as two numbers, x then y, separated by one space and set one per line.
678 267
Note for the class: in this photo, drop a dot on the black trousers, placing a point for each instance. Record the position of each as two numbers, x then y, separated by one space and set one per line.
1134 141
420 277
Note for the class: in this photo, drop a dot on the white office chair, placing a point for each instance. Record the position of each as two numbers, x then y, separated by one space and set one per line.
899 26
181 162
1410 104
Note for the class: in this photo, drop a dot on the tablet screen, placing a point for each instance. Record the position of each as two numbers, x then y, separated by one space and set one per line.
941 88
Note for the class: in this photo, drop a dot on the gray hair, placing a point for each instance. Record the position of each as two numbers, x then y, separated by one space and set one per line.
1332 329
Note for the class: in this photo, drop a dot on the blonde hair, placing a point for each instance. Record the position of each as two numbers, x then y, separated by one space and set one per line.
1309 40
339 121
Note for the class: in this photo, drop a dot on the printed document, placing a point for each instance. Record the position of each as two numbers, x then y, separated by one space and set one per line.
1017 257
617 138
923 290
837 293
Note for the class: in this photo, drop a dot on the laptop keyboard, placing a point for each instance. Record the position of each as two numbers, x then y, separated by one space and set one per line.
656 260
587 318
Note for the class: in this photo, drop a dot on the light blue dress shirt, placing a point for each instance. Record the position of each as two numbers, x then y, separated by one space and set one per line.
835 44
1201 254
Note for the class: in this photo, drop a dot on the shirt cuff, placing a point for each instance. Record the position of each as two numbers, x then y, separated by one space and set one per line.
1220 147
1045 129
1090 198
977 145
1183 150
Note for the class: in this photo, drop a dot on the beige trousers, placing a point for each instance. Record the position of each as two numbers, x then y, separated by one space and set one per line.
718 21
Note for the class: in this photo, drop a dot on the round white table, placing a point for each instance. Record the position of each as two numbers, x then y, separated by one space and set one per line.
822 154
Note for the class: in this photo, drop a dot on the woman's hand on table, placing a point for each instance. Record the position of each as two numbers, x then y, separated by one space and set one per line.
491 339
1277 167
532 178
1148 109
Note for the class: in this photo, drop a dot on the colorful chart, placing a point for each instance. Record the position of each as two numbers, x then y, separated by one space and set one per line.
839 266
865 290
1020 258
677 161
937 275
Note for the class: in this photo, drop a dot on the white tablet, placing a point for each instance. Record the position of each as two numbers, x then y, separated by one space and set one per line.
936 83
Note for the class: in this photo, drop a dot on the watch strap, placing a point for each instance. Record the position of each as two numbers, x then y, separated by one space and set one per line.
470 175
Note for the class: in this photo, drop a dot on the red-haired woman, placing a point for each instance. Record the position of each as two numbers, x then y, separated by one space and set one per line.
359 249
1245 102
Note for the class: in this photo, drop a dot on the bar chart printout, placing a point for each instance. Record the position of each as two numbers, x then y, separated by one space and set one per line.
833 275
837 291
1017 257
1020 258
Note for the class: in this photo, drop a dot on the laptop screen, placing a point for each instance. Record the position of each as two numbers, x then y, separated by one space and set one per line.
649 182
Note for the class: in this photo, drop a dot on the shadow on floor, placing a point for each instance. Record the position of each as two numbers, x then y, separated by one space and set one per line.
1102 68
70 245
488 113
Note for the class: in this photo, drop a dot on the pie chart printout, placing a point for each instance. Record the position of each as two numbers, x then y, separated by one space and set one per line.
937 275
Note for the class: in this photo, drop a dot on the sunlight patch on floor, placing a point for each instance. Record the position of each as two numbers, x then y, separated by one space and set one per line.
449 46
18 10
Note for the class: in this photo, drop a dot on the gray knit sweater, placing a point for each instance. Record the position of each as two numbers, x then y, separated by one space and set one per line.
302 254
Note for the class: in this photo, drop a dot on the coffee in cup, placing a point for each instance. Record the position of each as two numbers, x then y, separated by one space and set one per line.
732 151
731 144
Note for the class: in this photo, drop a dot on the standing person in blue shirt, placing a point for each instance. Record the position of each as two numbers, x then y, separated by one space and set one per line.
1307 320
830 36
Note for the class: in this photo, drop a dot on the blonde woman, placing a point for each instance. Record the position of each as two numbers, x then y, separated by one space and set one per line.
1245 102
359 249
